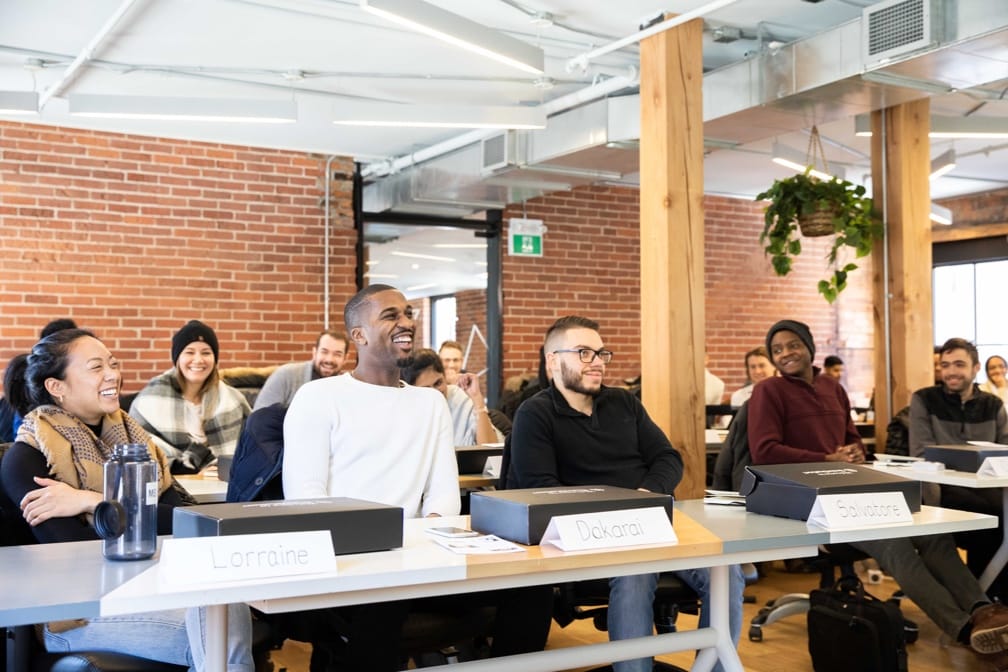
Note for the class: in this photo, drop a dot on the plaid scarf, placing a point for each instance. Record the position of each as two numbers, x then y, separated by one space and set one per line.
74 454
160 410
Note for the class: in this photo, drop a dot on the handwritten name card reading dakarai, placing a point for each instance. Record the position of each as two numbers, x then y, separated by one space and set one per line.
610 529
859 509
242 557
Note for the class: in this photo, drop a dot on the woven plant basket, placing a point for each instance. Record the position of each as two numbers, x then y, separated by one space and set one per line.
818 223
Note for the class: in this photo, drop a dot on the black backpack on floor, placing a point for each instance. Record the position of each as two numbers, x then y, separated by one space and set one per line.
851 630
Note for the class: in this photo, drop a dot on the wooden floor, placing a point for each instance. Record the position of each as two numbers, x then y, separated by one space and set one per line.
784 646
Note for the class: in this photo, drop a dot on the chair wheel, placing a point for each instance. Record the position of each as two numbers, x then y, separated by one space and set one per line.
755 634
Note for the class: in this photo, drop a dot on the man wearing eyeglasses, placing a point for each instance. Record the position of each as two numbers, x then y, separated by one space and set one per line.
580 432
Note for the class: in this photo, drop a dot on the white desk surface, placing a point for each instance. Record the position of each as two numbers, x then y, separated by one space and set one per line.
966 479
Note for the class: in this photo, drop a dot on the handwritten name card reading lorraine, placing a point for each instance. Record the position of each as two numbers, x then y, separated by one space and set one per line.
242 557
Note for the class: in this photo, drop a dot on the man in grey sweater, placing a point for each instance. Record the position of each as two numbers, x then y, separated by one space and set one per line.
327 360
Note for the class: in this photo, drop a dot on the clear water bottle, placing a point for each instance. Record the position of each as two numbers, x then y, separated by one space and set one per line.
127 519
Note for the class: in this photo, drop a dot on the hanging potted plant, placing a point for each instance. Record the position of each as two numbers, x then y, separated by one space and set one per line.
818 208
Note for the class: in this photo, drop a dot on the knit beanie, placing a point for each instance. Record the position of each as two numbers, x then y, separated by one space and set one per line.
194 330
800 329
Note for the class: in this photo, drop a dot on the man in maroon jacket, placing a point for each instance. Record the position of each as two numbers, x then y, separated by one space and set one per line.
804 416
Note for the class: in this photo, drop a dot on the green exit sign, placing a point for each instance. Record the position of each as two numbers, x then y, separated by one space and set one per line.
524 244
525 237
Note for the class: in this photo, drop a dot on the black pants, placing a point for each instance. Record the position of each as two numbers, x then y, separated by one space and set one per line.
980 545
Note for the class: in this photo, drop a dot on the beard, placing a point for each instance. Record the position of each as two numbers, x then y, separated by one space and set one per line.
573 381
403 362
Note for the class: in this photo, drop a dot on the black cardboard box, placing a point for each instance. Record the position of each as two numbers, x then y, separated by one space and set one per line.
356 526
789 490
523 515
472 459
962 457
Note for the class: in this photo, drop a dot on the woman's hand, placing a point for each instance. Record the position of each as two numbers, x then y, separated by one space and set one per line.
469 384
56 499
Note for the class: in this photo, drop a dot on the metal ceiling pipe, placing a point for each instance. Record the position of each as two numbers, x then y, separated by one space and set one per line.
571 100
85 55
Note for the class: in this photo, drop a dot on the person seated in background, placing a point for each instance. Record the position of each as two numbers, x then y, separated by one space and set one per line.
757 367
68 390
713 386
581 432
954 412
328 355
510 402
189 412
996 382
370 436
470 416
451 359
804 416
833 367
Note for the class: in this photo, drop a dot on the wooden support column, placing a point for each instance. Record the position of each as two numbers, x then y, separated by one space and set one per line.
672 249
901 163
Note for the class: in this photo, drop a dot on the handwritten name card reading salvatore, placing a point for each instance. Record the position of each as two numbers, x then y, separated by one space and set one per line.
610 529
242 557
860 509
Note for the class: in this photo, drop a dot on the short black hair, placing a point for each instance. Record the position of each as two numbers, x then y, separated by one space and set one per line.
57 325
961 344
351 313
565 324
422 359
832 361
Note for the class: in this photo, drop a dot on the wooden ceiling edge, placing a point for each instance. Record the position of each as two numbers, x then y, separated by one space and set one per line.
947 234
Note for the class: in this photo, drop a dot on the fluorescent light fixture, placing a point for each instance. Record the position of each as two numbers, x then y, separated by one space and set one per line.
232 110
441 116
459 31
949 127
416 288
783 155
381 276
414 255
460 246
943 163
18 102
940 215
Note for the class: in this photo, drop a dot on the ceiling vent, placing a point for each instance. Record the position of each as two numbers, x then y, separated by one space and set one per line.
895 28
496 152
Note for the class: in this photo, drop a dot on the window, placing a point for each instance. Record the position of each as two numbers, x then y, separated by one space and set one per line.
969 303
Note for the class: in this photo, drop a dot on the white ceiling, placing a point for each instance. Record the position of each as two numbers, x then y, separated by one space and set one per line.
327 53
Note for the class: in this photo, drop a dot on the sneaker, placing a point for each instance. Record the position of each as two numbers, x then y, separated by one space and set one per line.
990 629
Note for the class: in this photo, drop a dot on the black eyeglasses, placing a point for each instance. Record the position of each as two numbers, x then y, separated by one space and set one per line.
588 355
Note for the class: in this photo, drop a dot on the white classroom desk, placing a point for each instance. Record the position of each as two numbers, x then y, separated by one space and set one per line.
709 536
965 479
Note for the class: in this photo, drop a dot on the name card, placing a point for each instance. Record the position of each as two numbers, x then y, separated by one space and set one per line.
610 529
994 466
492 466
859 509
243 557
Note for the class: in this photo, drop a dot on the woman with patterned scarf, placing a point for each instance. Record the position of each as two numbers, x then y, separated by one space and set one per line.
191 415
67 389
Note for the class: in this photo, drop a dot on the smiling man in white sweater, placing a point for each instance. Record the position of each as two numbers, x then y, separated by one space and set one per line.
368 435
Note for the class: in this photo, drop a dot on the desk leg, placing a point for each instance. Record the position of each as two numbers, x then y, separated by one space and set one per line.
720 608
997 563
216 637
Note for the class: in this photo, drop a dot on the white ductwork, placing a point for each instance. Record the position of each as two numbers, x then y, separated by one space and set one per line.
861 66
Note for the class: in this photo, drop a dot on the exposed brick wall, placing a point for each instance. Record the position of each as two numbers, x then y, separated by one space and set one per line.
470 310
988 207
133 236
591 266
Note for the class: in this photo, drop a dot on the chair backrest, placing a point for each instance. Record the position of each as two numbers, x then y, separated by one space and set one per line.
734 455
258 458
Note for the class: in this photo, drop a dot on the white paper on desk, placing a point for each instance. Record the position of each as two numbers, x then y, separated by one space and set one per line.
492 466
986 444
481 545
859 509
994 466
720 500
610 529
